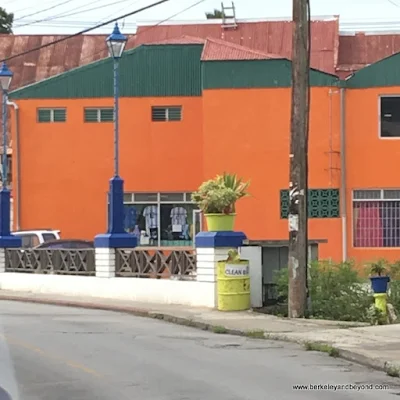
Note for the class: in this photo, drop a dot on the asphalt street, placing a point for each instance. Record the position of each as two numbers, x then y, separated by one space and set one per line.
56 353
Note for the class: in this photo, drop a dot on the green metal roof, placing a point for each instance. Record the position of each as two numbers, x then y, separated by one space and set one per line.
167 70
156 70
257 74
383 73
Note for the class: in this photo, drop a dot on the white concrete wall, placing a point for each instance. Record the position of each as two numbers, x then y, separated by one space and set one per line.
254 255
161 291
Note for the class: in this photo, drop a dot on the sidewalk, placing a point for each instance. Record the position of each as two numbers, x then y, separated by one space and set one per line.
374 346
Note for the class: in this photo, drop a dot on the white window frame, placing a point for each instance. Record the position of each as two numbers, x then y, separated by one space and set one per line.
51 109
98 114
380 119
167 108
381 198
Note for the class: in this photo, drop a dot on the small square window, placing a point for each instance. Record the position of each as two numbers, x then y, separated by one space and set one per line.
106 115
44 115
91 114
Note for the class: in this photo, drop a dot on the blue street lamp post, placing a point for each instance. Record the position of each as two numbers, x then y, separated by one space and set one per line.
116 235
6 239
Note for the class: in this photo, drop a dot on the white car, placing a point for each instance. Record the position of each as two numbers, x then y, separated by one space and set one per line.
33 238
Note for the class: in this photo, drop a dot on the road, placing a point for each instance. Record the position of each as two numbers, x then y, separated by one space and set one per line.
56 353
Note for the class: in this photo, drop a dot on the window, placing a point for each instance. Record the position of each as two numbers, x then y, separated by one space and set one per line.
376 218
162 114
162 219
51 114
99 114
390 116
48 237
322 203
29 240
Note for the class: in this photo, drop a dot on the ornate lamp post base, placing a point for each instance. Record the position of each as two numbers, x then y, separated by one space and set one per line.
116 237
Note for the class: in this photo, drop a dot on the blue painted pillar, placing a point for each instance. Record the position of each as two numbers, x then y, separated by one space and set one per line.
6 239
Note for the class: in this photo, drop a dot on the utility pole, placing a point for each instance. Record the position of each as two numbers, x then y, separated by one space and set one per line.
298 180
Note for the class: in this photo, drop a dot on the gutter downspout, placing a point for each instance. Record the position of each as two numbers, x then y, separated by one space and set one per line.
16 157
343 171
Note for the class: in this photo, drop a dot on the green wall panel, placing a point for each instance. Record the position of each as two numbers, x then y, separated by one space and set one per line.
322 203
383 73
256 74
147 71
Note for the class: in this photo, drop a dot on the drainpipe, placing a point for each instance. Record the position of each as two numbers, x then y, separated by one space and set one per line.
17 203
343 188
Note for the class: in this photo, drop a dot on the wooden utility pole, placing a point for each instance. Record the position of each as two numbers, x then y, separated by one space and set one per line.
298 182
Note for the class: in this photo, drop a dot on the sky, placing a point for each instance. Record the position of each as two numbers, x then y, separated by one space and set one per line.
71 16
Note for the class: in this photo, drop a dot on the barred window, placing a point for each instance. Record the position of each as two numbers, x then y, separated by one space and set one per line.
163 114
376 218
99 114
51 115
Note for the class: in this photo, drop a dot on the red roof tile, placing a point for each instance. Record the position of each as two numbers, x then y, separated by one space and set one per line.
216 49
271 37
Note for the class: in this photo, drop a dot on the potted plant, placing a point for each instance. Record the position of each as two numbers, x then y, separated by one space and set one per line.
217 198
379 277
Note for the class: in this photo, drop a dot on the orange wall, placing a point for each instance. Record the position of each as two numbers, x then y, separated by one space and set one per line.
65 167
372 163
247 131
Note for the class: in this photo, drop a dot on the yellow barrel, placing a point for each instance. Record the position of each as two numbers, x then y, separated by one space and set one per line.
233 285
381 302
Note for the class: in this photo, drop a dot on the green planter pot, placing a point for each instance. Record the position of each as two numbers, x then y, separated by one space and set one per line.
220 222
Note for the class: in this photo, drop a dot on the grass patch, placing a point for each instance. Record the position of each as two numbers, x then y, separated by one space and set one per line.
219 329
322 347
393 371
256 334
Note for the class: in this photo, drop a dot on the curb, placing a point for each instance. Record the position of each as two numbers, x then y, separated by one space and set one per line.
348 355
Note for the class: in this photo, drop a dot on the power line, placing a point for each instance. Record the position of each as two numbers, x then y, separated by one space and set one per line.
87 30
392 2
150 27
63 3
61 15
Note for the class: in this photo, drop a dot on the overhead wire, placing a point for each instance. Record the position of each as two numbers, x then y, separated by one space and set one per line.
99 25
63 3
52 43
148 28
75 12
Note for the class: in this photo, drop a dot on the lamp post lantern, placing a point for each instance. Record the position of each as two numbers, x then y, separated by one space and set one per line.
116 235
6 239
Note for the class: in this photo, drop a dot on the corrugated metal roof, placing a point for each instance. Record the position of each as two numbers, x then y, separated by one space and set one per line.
216 49
185 39
271 37
358 51
52 60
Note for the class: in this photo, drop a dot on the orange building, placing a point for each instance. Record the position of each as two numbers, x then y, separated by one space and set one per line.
190 109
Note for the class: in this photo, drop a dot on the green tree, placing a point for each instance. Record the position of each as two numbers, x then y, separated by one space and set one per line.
6 21
216 14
